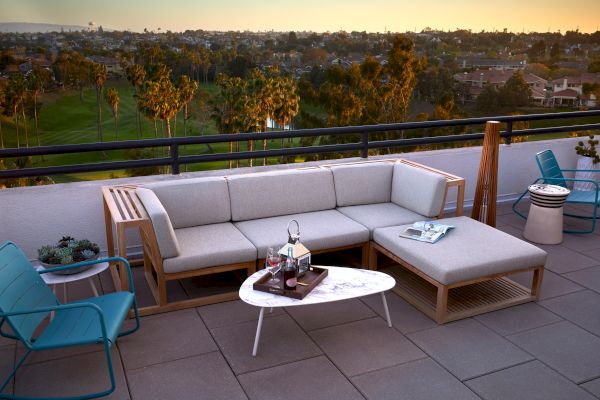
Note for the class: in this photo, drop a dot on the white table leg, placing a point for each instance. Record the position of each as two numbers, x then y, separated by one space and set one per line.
91 281
258 328
387 311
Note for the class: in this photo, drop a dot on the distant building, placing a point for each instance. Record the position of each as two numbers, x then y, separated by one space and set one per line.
568 91
478 79
489 63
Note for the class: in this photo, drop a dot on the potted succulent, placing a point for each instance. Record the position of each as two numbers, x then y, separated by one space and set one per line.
68 251
588 160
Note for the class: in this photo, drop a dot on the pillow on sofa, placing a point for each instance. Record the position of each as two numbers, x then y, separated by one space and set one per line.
418 190
165 234
364 183
269 194
193 202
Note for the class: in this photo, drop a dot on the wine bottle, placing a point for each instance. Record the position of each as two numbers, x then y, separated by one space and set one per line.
289 272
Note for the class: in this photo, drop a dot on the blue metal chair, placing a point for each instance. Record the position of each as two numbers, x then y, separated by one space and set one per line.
26 300
553 174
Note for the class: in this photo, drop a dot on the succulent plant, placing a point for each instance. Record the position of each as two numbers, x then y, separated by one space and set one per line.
67 251
588 149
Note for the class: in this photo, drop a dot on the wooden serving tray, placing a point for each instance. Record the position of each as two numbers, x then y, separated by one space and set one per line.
311 278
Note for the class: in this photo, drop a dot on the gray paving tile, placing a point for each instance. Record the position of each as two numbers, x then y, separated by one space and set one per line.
206 376
593 387
318 316
579 242
282 341
231 313
80 374
580 308
589 277
595 254
469 349
562 259
364 346
531 381
566 348
517 319
7 363
404 317
315 379
166 337
552 284
66 352
512 219
6 342
416 380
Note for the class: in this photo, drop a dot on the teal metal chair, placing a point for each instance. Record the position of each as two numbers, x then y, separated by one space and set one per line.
553 174
26 301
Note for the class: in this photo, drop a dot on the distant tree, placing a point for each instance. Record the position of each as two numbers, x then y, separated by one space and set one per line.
488 100
135 75
2 110
37 79
187 90
112 98
314 56
594 66
555 51
15 97
287 101
538 69
240 66
515 92
98 77
537 51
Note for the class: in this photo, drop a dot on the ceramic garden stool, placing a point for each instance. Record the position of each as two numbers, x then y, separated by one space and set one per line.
545 221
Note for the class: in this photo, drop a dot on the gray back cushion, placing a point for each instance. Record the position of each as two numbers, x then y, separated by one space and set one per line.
270 194
418 190
193 202
366 183
163 229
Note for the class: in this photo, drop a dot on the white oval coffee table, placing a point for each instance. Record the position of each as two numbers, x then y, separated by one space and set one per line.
341 283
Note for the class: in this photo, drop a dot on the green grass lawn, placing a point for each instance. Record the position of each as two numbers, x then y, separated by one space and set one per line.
65 119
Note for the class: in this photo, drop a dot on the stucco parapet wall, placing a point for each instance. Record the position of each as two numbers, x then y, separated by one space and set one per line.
37 215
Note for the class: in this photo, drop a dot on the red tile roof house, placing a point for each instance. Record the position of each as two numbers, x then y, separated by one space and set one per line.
564 87
479 78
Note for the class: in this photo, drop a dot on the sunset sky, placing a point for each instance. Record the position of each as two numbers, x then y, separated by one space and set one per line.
313 15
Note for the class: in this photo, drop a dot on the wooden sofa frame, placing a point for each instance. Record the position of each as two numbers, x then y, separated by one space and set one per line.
445 303
154 272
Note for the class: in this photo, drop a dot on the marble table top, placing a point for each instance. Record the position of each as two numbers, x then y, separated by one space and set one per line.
341 283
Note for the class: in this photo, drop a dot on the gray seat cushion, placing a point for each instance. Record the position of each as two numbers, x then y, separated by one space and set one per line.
363 183
380 215
270 194
209 246
192 202
471 250
417 189
318 231
163 229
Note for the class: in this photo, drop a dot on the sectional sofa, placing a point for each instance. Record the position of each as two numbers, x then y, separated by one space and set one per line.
208 225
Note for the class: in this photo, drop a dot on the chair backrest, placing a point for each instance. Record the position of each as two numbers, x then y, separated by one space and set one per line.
549 168
21 289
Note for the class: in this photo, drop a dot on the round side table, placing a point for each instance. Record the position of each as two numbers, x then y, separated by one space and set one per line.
545 220
56 279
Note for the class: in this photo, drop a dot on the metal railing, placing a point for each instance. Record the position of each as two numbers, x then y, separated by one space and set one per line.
175 160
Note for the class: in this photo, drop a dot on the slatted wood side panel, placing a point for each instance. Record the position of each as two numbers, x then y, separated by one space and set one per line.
124 204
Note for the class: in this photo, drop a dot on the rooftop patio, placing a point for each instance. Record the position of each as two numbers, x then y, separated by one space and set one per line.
344 350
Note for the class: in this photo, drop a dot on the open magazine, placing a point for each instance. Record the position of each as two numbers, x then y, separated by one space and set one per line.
426 231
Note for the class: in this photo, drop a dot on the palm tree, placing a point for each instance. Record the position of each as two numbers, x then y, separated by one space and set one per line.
15 98
287 102
261 88
35 84
136 75
98 74
187 89
2 109
112 98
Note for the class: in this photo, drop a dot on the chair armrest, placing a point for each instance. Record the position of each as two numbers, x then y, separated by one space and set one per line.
593 182
92 262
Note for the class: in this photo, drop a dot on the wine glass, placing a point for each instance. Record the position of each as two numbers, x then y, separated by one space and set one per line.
273 264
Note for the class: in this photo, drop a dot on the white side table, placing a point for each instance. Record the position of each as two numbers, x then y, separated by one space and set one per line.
545 220
56 279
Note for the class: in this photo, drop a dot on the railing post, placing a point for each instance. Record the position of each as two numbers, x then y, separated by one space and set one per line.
364 152
508 139
174 158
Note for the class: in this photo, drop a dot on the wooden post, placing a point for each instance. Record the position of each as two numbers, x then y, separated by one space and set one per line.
484 205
